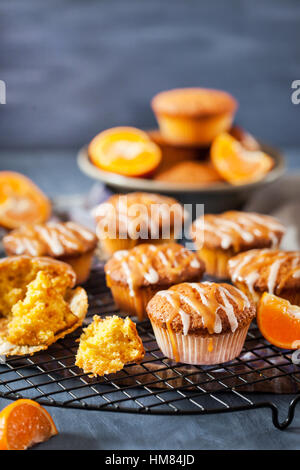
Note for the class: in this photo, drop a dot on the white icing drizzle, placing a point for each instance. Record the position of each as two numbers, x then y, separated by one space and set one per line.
250 280
129 278
228 308
185 318
119 255
218 323
245 260
274 268
52 239
241 293
83 232
244 226
151 276
195 263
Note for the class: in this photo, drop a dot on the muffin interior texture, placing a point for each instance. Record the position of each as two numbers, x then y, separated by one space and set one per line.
37 304
15 278
108 344
41 313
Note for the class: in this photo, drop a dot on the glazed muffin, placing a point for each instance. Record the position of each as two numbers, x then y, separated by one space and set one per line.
38 304
135 275
124 221
273 271
201 323
107 344
198 173
220 237
193 116
65 241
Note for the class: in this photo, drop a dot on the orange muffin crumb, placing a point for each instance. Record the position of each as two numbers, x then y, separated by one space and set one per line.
107 344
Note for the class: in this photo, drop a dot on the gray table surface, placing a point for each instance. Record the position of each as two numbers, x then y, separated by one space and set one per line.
107 430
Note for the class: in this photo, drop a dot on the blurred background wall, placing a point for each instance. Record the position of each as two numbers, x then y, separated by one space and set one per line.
75 67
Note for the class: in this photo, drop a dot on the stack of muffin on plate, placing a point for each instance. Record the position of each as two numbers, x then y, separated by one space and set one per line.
196 143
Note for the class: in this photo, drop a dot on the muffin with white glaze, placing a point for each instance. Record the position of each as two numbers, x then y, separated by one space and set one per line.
201 323
273 271
127 220
65 241
219 237
135 275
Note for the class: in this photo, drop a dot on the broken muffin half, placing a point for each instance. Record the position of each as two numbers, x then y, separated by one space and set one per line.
37 303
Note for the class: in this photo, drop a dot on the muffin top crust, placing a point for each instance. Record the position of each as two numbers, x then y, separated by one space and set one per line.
55 239
193 102
146 265
266 270
201 309
238 230
138 213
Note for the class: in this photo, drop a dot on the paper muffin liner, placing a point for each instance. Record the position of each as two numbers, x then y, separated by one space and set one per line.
201 350
133 305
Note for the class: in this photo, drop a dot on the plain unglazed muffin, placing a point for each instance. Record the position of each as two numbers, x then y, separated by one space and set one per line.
193 116
190 172
65 241
134 276
124 221
201 323
273 271
38 304
107 344
219 237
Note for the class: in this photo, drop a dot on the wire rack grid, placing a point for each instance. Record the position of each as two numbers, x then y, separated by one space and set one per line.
156 385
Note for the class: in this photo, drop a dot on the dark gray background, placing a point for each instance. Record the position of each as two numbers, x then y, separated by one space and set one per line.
75 67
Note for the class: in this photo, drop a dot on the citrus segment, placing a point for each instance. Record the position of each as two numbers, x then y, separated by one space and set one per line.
24 423
21 201
126 151
235 163
279 321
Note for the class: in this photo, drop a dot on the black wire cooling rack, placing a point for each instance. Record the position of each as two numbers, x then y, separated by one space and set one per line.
157 385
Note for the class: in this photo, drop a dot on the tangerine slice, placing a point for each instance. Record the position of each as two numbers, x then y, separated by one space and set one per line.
235 163
279 321
24 423
21 201
125 150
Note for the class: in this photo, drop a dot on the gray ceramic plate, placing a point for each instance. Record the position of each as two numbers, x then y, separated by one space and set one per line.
217 197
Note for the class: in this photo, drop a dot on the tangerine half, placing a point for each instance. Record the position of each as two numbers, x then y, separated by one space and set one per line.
21 201
125 150
235 163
